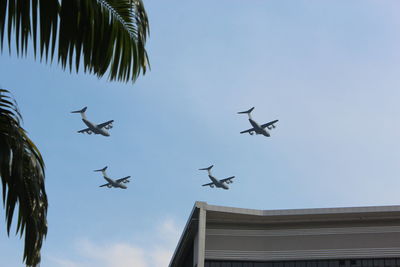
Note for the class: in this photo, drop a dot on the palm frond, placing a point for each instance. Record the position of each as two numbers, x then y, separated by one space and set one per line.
22 177
102 35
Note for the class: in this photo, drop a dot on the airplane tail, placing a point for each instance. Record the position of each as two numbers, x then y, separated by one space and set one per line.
206 169
80 111
247 111
101 170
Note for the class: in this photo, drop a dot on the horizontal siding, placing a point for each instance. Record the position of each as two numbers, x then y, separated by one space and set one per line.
302 232
391 262
303 254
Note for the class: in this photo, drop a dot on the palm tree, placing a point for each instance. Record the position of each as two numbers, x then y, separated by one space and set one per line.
109 34
102 36
22 176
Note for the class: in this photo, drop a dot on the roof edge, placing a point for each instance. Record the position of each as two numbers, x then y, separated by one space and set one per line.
311 211
182 240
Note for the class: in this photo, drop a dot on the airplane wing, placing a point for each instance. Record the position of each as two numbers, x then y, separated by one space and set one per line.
123 179
87 130
247 131
104 185
209 184
227 179
104 124
271 123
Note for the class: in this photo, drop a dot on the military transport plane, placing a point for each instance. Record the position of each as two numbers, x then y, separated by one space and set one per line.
258 129
223 183
92 127
113 183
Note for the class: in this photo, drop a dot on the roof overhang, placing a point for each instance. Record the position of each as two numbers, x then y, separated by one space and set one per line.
239 215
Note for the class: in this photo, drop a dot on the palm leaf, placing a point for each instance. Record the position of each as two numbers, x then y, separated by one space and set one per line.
101 35
22 177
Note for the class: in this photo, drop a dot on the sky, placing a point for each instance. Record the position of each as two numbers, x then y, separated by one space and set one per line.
328 70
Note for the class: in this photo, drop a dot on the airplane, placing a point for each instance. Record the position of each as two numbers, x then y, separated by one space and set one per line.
223 183
92 127
258 129
119 183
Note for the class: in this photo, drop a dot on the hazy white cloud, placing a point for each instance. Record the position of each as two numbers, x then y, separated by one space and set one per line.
161 257
114 254
88 253
170 231
60 262
169 234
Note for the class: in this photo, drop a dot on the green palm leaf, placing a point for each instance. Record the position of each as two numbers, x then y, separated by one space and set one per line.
22 177
101 35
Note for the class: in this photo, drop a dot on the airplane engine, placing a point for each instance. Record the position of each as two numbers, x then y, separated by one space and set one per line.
251 133
273 126
231 182
212 186
89 132
109 186
126 181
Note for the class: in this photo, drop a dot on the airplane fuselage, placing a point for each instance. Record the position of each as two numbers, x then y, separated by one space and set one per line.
217 183
114 183
258 129
95 129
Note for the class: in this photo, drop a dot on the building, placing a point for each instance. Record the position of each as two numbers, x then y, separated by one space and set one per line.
217 236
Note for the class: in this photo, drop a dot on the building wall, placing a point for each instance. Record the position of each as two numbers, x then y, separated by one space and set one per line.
291 243
217 236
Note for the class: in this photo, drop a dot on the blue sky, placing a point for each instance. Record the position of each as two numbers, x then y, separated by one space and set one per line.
328 70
